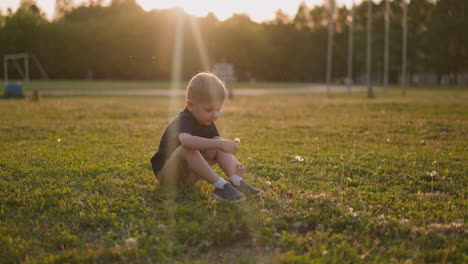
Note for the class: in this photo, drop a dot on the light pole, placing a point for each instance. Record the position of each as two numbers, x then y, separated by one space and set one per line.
330 45
386 48
403 64
350 50
369 49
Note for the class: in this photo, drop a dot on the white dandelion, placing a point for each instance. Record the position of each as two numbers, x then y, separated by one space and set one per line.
237 140
59 140
131 242
297 224
299 158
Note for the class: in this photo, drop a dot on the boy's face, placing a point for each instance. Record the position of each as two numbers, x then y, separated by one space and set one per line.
205 112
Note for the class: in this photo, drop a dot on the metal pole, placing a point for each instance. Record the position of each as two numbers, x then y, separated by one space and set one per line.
405 29
350 50
5 71
330 45
41 69
26 67
18 68
387 30
369 47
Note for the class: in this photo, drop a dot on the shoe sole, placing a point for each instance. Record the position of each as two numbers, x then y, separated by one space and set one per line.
219 198
259 193
251 193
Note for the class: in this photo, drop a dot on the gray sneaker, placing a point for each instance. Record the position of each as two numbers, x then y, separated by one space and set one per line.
228 193
246 188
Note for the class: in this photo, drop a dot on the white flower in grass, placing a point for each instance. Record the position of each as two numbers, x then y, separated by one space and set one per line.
299 158
297 224
59 139
264 210
237 140
404 221
433 173
131 242
117 247
268 183
320 195
351 212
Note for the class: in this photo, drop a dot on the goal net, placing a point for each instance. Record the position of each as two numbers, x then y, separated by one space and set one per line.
21 62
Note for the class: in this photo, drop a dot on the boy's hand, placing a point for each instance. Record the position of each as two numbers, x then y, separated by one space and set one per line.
228 146
240 169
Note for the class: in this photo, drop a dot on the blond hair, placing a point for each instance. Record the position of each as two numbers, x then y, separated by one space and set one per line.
206 87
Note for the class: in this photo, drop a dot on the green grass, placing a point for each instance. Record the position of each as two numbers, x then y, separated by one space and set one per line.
362 194
140 85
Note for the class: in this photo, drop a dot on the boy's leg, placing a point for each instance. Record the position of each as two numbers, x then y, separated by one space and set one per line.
197 165
185 167
228 163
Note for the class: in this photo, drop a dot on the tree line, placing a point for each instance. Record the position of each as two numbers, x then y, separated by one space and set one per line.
124 42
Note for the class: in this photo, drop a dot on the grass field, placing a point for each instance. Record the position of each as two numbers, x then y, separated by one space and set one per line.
347 180
139 85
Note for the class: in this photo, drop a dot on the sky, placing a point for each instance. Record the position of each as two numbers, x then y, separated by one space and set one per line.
258 10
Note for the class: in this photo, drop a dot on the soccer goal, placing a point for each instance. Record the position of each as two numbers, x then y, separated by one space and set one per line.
24 71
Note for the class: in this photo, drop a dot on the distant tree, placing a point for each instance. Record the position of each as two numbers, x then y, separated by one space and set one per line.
122 41
2 21
27 3
447 38
22 31
62 7
123 2
281 17
29 6
301 20
318 17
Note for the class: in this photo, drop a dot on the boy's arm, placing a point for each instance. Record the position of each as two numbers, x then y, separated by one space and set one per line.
199 143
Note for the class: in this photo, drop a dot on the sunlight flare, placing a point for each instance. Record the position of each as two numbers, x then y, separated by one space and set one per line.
202 53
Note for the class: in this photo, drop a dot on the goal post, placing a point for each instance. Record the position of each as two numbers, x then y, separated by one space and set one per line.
25 71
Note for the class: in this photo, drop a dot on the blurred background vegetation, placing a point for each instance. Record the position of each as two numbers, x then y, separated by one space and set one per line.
121 41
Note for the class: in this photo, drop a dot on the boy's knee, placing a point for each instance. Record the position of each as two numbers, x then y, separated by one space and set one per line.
186 152
210 155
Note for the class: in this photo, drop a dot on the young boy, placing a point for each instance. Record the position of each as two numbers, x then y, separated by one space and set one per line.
191 144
